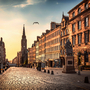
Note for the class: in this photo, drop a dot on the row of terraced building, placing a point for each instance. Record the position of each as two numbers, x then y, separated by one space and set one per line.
50 46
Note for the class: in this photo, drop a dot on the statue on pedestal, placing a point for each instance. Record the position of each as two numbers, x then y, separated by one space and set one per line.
68 47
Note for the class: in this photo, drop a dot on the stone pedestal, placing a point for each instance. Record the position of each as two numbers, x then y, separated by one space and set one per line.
69 65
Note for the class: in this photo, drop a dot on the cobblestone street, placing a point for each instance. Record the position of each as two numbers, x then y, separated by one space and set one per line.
20 78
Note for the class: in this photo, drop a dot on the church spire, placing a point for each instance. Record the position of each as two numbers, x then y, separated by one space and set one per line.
63 14
23 29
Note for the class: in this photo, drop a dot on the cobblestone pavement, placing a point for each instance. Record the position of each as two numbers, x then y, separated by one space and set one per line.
20 78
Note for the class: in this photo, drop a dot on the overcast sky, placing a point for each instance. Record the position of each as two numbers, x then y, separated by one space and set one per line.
15 13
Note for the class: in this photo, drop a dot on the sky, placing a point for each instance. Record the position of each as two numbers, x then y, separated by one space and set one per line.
15 13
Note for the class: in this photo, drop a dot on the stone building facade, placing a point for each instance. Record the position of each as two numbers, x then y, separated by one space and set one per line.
79 28
64 36
37 49
42 40
53 45
76 28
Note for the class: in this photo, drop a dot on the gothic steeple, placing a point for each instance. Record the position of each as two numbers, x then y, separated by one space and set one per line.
24 40
23 29
62 14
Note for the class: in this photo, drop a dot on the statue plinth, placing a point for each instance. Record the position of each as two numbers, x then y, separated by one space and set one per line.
69 65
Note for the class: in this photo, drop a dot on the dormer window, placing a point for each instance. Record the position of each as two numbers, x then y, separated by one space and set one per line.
86 6
79 10
73 14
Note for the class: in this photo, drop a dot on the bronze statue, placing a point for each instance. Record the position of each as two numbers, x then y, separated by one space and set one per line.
68 47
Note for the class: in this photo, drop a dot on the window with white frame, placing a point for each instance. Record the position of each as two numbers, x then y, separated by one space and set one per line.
86 37
73 27
86 21
73 40
66 31
79 24
79 39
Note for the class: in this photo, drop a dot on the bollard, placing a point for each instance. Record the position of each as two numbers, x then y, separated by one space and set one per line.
86 80
48 71
79 73
44 71
52 73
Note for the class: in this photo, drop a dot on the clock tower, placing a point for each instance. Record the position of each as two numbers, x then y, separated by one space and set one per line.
24 53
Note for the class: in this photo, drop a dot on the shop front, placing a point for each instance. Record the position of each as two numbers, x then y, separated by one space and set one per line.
57 63
62 60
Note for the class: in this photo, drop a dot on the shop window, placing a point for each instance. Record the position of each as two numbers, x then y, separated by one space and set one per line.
85 56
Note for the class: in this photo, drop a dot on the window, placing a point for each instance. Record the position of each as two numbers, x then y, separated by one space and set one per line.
61 43
86 21
73 14
61 52
79 39
66 31
73 40
64 51
86 37
79 10
61 34
86 6
79 24
64 41
73 27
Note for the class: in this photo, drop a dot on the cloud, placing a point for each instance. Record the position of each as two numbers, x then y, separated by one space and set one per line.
29 2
